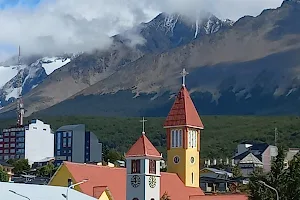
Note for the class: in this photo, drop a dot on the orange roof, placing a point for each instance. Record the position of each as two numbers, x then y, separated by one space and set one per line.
183 112
143 147
115 180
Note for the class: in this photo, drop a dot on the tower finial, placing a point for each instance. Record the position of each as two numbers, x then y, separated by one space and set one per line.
143 121
183 74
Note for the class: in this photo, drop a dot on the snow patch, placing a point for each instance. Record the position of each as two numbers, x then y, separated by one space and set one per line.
12 93
7 73
54 63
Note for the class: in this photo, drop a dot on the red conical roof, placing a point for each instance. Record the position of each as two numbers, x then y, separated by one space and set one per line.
183 112
143 147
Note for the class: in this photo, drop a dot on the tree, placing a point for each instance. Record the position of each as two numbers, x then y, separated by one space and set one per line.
46 170
112 156
20 165
286 182
165 196
237 173
3 175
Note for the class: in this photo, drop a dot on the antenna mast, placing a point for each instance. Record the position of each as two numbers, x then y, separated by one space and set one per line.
20 105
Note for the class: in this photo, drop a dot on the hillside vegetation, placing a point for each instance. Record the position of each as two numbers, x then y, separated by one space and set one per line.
218 139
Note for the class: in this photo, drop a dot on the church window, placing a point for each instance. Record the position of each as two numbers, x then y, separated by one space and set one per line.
192 177
135 166
135 199
152 167
176 138
192 139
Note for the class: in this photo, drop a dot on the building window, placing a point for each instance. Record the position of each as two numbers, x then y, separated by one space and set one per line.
1 151
192 139
12 145
152 167
6 134
6 145
13 133
64 142
135 199
70 133
6 151
65 134
12 139
12 151
176 138
135 166
58 141
192 177
69 142
6 139
1 145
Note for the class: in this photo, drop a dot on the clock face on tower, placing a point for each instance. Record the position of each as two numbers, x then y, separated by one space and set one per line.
176 159
135 181
152 181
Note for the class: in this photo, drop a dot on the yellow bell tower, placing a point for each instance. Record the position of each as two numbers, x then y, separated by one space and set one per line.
183 126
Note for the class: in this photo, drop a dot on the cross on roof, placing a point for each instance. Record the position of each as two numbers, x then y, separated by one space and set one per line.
183 74
143 121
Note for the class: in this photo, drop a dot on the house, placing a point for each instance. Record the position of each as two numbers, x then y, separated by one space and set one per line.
7 168
142 178
251 155
33 142
43 162
74 143
290 155
214 180
18 191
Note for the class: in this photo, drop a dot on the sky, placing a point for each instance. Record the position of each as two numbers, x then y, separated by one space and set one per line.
70 26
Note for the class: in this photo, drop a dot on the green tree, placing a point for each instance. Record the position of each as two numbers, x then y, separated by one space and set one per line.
3 175
46 170
113 155
237 173
20 165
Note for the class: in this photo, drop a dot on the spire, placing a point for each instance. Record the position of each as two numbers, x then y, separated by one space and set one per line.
183 111
143 121
143 147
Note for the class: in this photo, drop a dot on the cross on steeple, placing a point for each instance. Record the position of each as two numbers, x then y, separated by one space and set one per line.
183 74
143 121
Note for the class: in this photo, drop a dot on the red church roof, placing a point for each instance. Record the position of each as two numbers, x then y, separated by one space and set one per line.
114 179
183 112
143 147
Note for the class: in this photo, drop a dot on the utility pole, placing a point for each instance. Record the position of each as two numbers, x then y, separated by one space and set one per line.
276 136
20 105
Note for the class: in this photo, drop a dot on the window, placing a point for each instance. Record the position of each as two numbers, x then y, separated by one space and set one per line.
64 142
69 142
6 134
13 133
6 139
176 138
12 139
58 141
1 151
152 167
135 166
6 151
1 145
65 134
12 145
192 177
70 133
192 138
135 199
12 151
6 145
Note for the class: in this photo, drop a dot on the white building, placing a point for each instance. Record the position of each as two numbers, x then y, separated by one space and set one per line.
39 141
17 191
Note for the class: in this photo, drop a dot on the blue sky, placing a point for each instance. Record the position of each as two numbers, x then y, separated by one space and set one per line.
10 3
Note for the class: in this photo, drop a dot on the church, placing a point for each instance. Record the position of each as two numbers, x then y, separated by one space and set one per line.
142 179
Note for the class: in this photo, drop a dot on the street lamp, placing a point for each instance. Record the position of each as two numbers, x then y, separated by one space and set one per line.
18 194
71 186
268 186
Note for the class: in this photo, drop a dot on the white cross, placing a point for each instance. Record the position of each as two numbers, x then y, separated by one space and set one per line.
183 74
143 121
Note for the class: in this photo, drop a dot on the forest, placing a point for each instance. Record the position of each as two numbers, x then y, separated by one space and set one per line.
219 138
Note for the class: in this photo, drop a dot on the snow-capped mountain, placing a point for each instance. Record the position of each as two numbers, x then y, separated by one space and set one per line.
31 75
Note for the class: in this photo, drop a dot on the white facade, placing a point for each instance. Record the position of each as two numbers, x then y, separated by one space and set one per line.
39 141
143 185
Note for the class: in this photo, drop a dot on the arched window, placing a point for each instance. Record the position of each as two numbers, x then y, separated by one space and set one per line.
176 138
152 167
135 166
135 199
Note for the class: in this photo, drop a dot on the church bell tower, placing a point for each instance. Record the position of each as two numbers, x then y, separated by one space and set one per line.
183 126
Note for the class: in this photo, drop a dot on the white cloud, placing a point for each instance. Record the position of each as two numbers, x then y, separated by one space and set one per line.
57 26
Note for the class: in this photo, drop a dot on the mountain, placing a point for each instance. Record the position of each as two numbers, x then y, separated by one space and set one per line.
252 68
163 33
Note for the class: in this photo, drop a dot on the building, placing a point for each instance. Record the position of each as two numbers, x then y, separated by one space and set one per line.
142 179
34 142
7 168
18 191
74 143
215 180
289 156
250 155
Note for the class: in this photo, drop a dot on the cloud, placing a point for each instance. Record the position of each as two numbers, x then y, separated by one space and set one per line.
70 26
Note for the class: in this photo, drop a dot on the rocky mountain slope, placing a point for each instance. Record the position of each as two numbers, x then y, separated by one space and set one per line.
33 71
251 68
161 34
